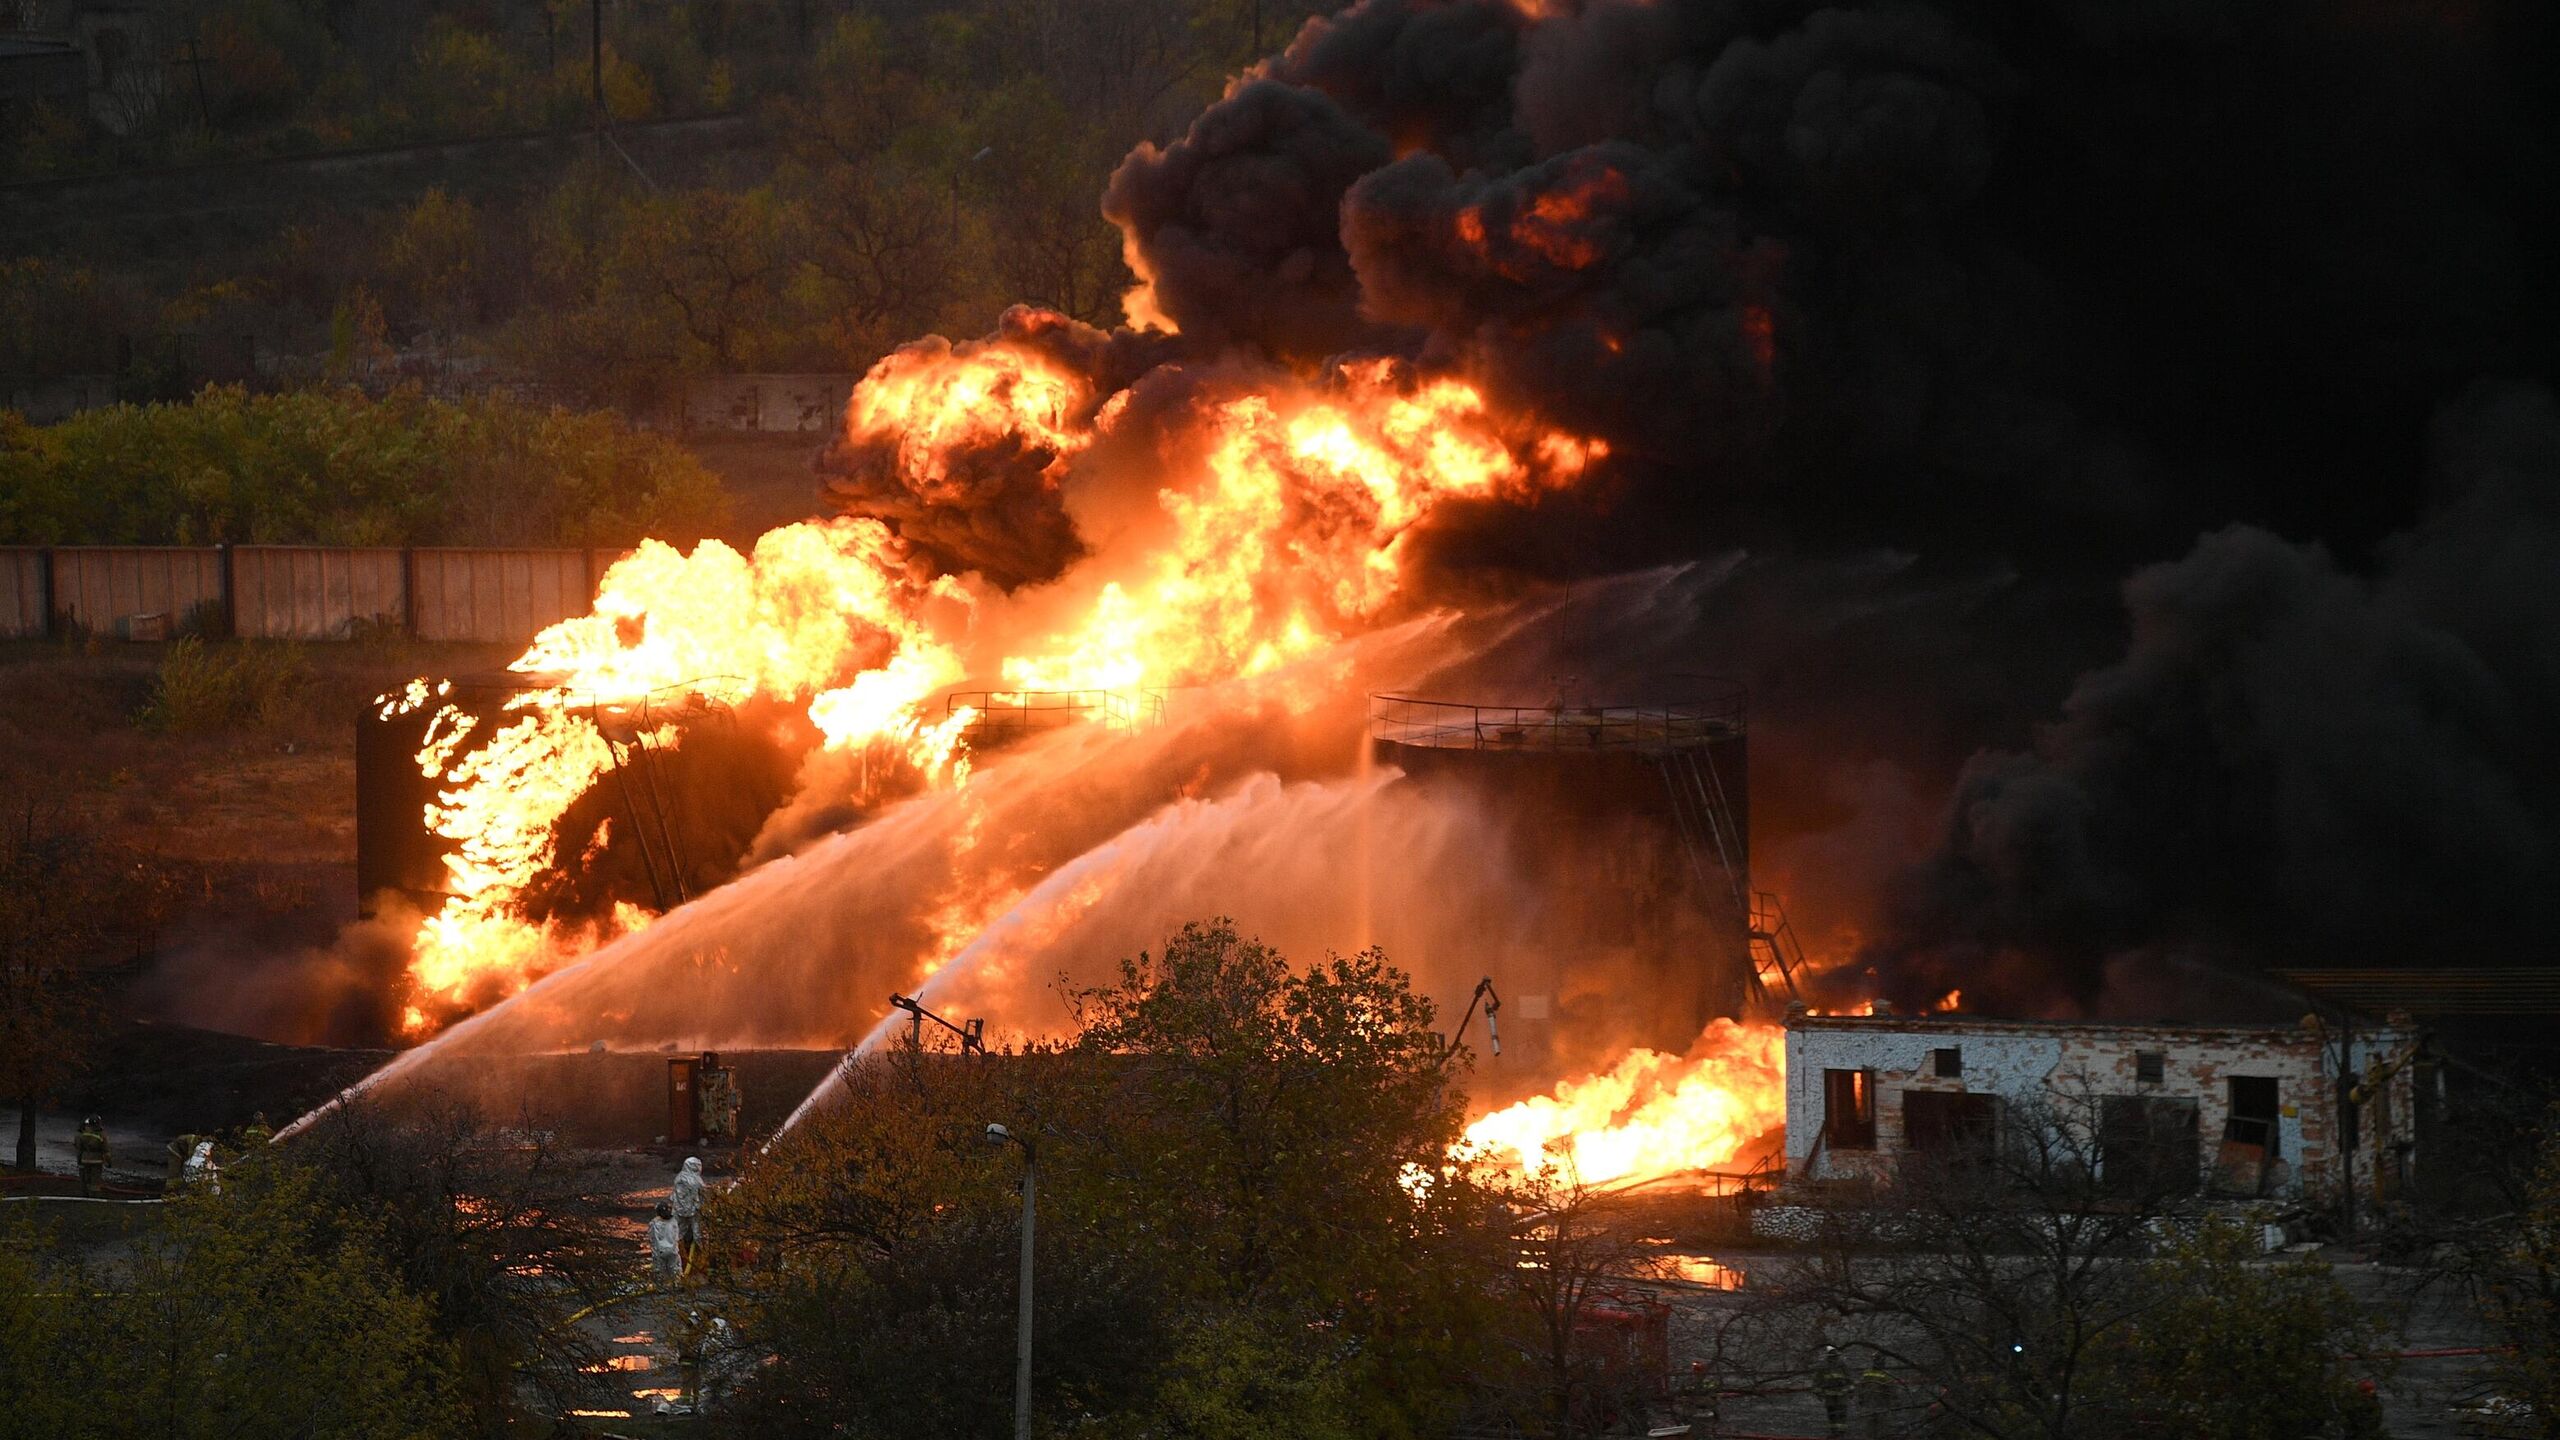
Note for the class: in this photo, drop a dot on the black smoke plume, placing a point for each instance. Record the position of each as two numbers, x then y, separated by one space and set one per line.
2042 292
2291 761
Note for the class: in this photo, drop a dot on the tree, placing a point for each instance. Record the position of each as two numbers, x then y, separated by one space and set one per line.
71 910
880 239
432 261
1286 1137
1249 1222
261 1310
336 466
1572 1252
498 1231
2508 1261
885 1230
2008 1272
2231 1344
716 259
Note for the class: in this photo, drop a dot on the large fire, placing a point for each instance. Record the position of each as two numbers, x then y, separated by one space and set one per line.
1284 526
1651 1114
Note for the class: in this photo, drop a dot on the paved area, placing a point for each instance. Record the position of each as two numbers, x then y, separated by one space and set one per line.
1757 1358
137 1156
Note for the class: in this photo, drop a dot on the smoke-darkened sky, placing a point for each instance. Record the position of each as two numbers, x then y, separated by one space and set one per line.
2207 347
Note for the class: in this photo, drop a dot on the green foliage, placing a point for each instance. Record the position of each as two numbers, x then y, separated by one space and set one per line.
909 169
332 466
259 1311
70 908
203 688
2517 1280
1238 1378
432 259
2228 1343
504 1236
1226 1244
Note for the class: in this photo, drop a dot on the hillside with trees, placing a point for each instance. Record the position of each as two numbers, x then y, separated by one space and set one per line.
693 189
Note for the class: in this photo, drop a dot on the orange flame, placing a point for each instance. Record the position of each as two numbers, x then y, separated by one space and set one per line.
1295 534
817 603
1287 533
1553 227
1651 1114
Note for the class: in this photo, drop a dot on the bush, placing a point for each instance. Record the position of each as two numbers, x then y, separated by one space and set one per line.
336 467
205 687
263 1310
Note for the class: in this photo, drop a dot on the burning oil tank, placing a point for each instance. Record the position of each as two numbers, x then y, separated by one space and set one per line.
1631 822
668 819
398 860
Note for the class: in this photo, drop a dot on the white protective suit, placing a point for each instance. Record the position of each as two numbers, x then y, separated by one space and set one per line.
202 1169
664 1253
686 1197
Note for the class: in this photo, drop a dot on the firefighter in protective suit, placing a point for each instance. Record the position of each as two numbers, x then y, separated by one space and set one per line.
1831 1382
91 1149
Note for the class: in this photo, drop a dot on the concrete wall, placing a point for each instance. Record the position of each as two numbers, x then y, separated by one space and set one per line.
22 585
296 592
101 587
498 594
770 404
308 592
2064 1068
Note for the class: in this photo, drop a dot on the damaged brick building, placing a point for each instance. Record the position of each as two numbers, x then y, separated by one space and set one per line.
2235 1111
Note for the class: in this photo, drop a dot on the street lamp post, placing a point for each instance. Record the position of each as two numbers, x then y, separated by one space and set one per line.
998 1135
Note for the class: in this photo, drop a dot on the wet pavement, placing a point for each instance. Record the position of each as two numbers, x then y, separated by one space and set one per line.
137 1156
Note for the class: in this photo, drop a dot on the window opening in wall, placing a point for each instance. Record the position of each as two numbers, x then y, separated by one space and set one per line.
2147 1145
1947 1062
2253 1112
2149 1066
1950 1122
1849 1109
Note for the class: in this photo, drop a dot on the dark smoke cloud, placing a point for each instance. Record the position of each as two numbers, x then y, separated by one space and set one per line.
1236 220
1899 273
2291 762
2040 292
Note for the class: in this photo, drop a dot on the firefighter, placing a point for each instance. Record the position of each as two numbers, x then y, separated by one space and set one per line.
91 1148
1875 1399
685 1198
665 1255
1831 1382
257 1136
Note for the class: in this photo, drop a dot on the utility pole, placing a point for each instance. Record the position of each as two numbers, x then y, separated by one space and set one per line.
999 1135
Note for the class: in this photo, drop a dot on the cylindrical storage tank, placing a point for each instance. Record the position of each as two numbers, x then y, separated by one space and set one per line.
1631 823
397 858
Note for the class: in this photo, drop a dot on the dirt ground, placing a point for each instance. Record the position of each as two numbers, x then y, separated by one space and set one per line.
246 833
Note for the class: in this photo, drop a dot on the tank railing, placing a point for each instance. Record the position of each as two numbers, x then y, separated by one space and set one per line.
1006 713
1450 725
681 703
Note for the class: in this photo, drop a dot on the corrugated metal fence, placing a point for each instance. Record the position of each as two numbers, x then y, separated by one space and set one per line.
298 592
